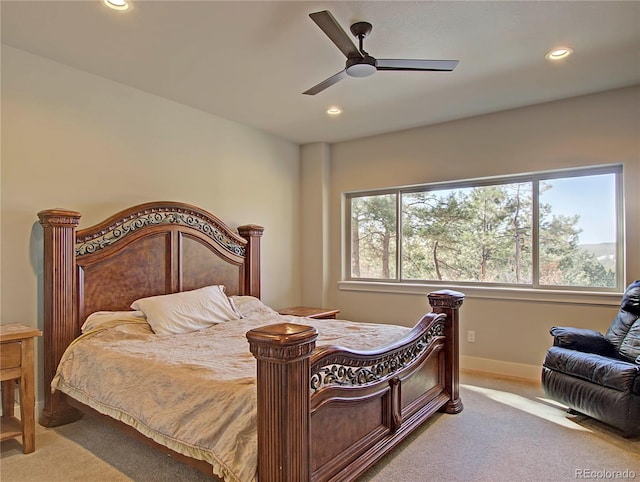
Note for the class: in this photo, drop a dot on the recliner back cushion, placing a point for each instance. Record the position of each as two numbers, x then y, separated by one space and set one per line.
624 332
630 346
631 298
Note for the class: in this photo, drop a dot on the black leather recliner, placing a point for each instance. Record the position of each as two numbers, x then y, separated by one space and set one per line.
599 375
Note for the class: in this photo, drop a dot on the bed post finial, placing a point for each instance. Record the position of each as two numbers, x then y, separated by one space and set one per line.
60 326
252 233
449 303
283 380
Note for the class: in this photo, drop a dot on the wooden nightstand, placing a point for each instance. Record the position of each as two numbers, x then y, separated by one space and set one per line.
16 363
308 312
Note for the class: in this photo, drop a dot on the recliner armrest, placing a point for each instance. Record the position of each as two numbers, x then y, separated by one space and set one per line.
609 372
582 339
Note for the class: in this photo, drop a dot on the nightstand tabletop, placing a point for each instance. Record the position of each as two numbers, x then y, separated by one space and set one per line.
309 312
17 331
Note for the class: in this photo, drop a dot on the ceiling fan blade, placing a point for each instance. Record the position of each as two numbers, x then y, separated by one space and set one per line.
334 31
326 83
410 64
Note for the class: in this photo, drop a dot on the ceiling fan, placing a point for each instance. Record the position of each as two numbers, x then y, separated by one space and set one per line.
359 62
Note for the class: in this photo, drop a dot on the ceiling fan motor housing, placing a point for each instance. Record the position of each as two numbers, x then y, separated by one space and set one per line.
361 66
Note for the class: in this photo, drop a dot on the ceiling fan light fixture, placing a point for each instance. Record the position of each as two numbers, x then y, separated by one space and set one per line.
559 53
119 5
361 66
334 110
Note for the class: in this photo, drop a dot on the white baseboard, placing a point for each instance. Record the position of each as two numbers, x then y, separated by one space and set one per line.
16 409
499 367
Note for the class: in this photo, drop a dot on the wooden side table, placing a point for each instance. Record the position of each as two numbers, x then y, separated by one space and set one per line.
308 312
16 363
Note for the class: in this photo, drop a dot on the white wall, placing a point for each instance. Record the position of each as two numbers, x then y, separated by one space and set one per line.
78 141
511 336
315 224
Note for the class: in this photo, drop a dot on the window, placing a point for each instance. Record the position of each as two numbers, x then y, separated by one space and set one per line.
542 230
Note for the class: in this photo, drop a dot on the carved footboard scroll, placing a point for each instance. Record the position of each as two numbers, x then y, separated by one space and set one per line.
328 414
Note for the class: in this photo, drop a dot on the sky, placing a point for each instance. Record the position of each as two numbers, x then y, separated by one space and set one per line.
592 198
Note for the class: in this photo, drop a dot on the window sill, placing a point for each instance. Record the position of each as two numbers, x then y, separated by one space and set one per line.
491 293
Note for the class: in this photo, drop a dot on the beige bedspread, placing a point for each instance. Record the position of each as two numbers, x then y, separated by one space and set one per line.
194 393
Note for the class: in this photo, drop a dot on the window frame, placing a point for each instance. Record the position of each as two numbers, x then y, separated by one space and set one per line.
535 178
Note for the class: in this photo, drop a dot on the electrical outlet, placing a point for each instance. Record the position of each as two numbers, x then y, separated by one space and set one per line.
471 336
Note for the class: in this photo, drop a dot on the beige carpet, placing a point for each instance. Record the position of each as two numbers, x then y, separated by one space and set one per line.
507 432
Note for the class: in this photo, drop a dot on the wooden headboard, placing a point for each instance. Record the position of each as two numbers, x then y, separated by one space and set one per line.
150 249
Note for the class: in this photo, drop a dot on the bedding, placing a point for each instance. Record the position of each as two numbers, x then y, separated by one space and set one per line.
193 392
110 318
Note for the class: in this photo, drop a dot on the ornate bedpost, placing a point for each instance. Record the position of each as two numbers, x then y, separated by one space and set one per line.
449 302
252 233
59 275
283 372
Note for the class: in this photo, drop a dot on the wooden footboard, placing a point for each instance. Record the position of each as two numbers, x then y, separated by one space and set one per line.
330 413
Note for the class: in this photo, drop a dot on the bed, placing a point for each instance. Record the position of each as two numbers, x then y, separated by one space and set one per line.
320 411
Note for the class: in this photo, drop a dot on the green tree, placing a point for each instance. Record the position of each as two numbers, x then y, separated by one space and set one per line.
373 236
430 231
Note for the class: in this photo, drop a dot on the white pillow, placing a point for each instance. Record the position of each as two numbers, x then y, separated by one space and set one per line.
111 318
187 311
251 306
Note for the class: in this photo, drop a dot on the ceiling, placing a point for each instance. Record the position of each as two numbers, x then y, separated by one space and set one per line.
250 61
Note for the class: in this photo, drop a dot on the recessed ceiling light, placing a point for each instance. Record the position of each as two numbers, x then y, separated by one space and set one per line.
559 53
334 110
117 4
